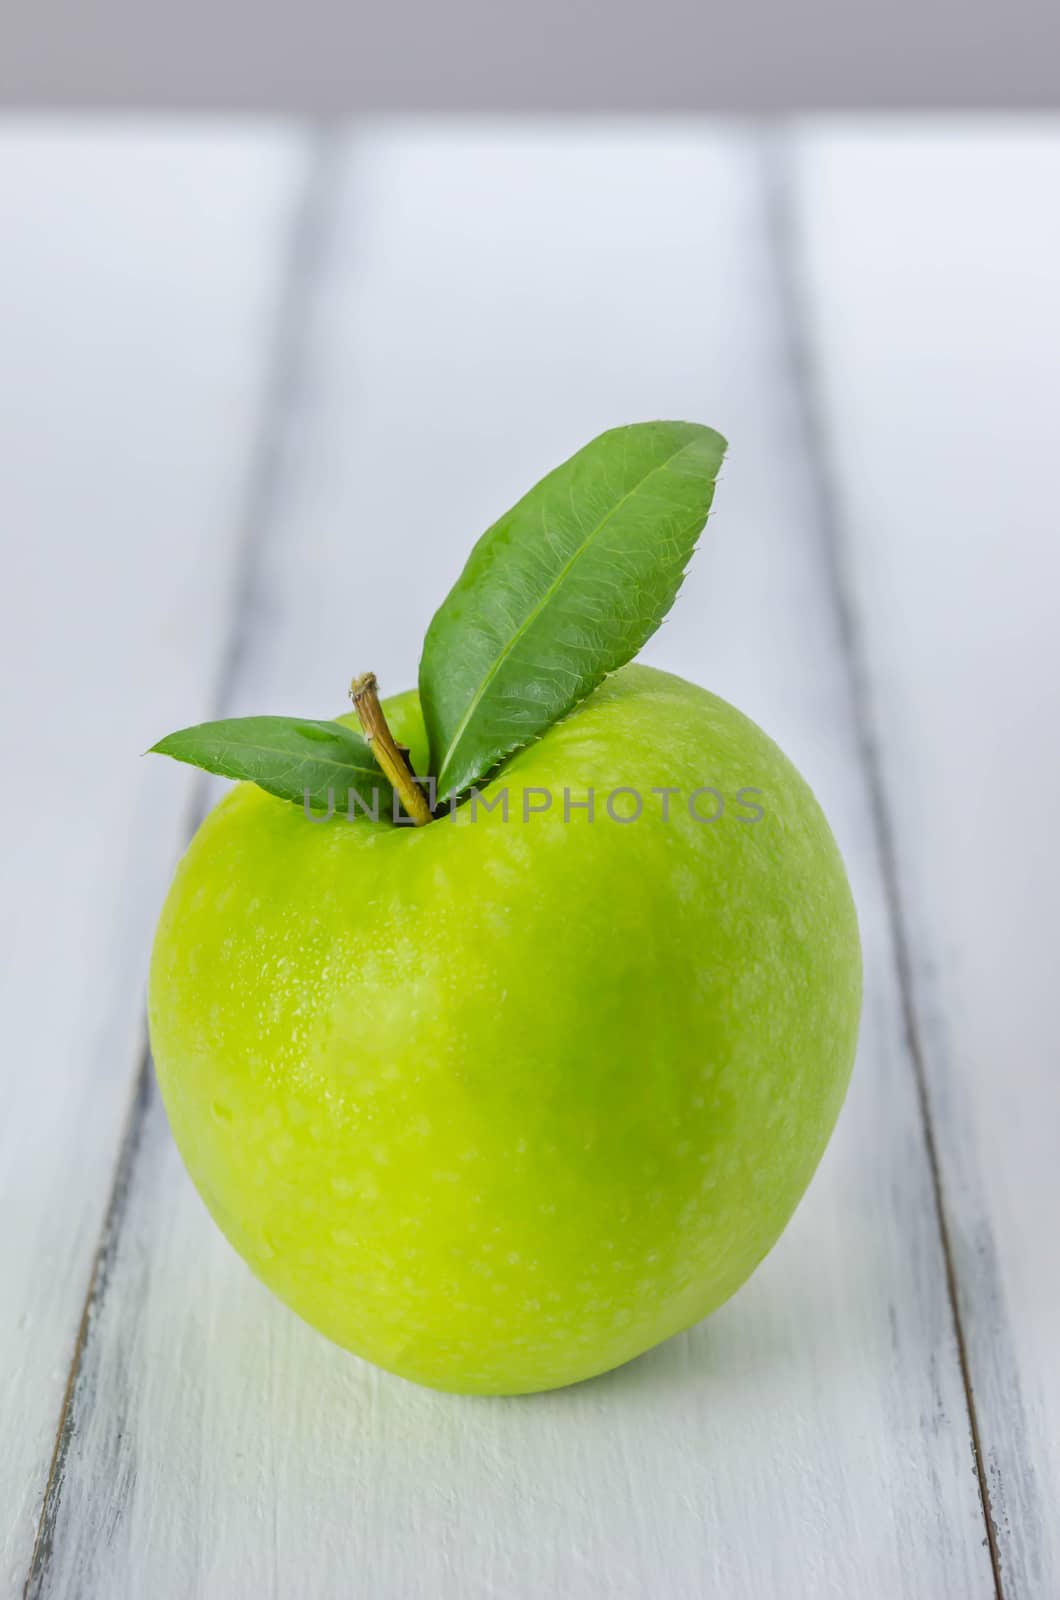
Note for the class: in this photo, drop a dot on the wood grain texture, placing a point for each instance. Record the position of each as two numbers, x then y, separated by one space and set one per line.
931 266
138 282
491 299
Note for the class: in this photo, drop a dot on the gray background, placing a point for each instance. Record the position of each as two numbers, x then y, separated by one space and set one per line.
584 55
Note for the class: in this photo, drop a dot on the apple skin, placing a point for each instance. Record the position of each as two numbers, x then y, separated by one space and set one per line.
499 1106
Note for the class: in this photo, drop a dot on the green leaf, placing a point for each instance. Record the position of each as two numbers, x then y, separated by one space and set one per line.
289 757
564 589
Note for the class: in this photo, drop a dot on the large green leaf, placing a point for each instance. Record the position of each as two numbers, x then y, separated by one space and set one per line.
290 757
564 589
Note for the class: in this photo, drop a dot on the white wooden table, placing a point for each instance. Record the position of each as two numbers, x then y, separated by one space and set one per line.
260 386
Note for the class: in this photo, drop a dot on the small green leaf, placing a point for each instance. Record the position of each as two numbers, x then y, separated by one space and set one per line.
564 589
289 757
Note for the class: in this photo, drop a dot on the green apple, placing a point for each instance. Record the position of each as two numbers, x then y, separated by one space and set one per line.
501 1102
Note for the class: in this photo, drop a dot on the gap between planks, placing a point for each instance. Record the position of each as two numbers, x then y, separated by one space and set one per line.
778 184
304 253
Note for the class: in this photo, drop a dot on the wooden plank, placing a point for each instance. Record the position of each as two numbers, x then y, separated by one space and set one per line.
493 298
139 275
931 265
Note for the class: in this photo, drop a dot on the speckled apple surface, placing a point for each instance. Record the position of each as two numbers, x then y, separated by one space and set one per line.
498 1105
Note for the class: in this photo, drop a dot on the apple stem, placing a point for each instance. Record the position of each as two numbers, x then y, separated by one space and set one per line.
388 753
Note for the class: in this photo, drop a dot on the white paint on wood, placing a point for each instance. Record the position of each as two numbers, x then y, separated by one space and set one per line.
932 264
138 284
493 298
